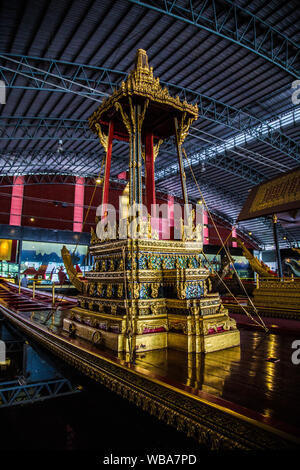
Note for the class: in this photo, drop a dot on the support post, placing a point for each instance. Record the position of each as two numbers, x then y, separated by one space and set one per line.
53 293
181 167
20 246
135 162
107 168
275 233
33 289
149 163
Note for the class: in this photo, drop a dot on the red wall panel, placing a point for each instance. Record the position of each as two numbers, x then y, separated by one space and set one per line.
115 192
44 204
88 192
5 201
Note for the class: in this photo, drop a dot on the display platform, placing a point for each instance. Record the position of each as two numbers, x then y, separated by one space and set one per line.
244 397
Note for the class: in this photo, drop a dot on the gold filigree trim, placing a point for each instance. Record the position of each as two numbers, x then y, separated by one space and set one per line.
102 136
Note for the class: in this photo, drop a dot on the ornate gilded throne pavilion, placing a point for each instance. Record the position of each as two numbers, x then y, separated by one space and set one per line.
146 293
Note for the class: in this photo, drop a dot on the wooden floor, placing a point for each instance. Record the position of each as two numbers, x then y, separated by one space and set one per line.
239 377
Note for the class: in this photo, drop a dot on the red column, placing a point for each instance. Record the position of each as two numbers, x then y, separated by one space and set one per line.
107 168
16 201
78 204
149 163
205 228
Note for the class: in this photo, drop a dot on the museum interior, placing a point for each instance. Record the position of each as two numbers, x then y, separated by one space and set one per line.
149 227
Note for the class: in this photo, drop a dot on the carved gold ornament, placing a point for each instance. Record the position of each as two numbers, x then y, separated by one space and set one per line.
109 291
113 309
154 290
190 232
91 288
141 82
156 148
102 137
99 288
183 128
94 238
151 325
120 290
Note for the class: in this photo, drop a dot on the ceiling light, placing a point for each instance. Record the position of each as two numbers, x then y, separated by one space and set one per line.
60 146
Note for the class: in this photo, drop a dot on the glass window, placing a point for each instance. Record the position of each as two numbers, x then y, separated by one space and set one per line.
44 259
213 262
242 267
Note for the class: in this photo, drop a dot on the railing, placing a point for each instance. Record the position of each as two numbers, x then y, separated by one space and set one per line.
293 282
34 288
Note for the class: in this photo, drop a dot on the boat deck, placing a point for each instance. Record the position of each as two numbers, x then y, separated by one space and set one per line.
252 389
24 301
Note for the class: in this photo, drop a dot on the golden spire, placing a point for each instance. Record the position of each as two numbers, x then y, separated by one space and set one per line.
141 59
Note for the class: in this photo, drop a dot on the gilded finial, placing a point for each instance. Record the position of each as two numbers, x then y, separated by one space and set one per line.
141 59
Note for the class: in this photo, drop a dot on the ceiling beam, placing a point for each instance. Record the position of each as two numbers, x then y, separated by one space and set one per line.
222 161
230 21
98 81
43 128
25 162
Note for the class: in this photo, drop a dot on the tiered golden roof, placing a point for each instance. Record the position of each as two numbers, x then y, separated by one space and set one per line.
141 83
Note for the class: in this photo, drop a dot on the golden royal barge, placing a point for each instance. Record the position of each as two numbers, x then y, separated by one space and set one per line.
145 323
